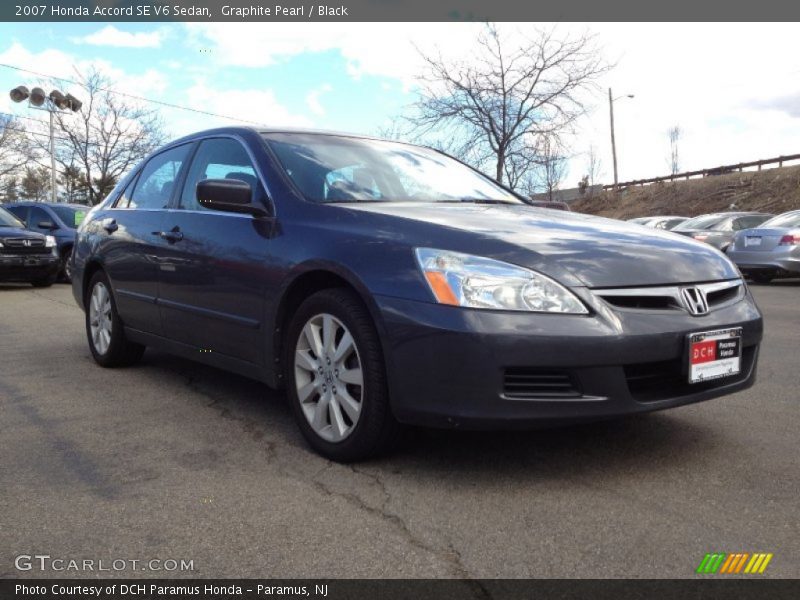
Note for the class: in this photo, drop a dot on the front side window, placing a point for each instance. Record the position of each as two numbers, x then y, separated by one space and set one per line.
749 222
9 220
701 222
154 187
219 158
36 216
329 168
21 212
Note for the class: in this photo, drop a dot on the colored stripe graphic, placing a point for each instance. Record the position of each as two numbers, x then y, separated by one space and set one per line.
722 563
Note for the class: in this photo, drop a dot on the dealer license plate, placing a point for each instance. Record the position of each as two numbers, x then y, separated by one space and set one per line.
715 354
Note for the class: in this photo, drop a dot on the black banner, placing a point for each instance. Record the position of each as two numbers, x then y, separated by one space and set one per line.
398 589
395 10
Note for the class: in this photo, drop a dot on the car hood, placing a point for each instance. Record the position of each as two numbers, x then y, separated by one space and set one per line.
16 232
598 252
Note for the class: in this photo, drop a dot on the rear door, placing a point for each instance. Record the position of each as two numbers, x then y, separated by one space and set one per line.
214 280
133 245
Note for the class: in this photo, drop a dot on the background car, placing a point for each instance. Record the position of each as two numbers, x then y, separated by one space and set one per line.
718 229
58 220
661 222
771 250
25 255
545 204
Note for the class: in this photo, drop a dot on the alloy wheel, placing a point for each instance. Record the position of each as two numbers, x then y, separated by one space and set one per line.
100 318
329 377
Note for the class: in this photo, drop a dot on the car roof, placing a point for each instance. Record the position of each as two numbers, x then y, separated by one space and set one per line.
234 130
34 203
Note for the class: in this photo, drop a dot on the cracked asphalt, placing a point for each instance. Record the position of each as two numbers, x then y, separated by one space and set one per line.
174 460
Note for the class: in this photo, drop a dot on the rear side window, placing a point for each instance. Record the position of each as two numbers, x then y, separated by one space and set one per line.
748 222
154 187
218 158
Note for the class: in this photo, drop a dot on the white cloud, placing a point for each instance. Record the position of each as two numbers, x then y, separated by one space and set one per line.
312 99
111 36
381 49
249 105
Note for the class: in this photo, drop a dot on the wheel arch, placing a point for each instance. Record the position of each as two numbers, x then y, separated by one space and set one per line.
305 282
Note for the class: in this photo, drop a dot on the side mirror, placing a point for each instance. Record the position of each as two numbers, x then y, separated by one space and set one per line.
230 195
47 225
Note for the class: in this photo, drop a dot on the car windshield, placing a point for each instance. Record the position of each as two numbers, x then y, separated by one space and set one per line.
701 222
72 216
329 168
786 220
9 220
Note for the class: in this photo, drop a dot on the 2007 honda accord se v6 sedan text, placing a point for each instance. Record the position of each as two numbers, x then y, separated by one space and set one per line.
383 284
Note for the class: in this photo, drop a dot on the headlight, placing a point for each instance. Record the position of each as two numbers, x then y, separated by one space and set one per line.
477 282
49 241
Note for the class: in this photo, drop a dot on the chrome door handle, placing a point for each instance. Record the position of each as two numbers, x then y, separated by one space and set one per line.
171 236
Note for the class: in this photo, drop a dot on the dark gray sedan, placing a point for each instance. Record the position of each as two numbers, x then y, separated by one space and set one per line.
382 284
771 250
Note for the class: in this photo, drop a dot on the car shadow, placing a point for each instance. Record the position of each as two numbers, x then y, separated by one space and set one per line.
617 446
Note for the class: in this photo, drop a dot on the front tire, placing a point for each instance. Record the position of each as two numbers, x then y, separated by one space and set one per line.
336 378
762 278
66 268
44 282
104 329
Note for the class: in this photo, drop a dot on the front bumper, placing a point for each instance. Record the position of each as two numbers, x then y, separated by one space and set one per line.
15 267
449 366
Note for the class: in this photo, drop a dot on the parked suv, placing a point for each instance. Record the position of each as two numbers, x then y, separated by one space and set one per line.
56 219
26 256
382 283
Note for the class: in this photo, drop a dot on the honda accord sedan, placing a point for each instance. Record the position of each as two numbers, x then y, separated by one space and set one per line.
383 284
771 250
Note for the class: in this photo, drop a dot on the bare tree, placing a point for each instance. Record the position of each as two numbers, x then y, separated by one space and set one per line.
35 184
493 107
552 166
594 165
107 137
15 149
674 134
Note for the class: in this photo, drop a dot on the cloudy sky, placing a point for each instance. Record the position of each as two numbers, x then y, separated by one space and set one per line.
733 89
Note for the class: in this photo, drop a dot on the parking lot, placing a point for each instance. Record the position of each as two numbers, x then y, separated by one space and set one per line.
173 460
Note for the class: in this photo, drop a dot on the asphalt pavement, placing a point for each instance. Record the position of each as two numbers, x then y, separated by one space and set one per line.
171 460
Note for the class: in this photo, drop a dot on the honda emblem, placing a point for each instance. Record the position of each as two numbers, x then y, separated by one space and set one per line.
695 300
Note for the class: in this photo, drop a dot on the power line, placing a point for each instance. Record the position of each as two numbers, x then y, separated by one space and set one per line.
133 96
57 138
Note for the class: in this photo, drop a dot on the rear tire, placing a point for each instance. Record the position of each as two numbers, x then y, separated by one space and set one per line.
336 378
104 329
762 278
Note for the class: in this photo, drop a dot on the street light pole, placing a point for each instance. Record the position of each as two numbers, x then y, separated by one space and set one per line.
613 141
55 101
53 190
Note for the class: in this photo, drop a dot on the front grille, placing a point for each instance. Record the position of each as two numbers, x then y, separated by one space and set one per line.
654 381
24 246
718 295
526 382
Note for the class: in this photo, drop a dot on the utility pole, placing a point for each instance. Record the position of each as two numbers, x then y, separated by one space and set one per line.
613 142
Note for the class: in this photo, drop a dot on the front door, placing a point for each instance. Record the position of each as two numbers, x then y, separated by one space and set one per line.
214 280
